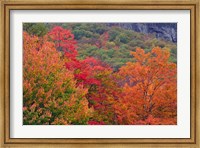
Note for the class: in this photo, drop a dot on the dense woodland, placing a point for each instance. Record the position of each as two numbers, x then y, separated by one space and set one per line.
97 74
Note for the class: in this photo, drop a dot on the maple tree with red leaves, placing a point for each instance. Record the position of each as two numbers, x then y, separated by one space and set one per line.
64 41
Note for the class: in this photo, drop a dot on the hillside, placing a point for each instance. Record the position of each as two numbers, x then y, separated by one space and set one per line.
113 42
97 74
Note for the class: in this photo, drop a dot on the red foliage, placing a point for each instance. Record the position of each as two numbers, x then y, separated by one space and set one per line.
64 41
85 70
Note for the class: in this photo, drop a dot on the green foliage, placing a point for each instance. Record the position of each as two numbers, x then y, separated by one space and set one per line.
38 29
123 38
81 33
116 52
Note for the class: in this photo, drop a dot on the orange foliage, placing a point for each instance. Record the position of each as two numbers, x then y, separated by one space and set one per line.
149 89
50 92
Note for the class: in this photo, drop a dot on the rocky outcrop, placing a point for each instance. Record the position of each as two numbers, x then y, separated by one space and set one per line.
166 31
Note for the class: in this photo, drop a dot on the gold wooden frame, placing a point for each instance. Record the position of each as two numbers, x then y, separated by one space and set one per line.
192 5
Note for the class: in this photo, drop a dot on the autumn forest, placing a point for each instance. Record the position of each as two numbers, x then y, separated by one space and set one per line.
98 74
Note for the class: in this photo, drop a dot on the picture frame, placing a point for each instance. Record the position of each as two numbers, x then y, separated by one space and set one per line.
7 6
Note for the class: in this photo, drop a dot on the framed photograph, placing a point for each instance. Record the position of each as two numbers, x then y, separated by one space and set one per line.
100 73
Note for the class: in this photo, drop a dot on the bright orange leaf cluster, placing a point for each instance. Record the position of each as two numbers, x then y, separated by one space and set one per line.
51 95
58 88
149 89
